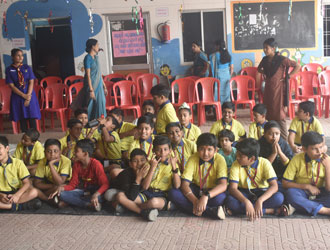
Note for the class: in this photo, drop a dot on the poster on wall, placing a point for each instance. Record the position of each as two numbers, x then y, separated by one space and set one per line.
128 43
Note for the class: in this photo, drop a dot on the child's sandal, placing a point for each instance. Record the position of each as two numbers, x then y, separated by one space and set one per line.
287 210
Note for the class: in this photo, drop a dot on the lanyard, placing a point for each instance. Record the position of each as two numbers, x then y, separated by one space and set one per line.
318 172
155 173
231 126
183 163
26 156
188 133
250 178
259 132
203 182
303 127
144 148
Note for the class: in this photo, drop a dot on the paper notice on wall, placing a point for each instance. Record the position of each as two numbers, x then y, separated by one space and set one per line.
18 42
253 18
162 12
128 43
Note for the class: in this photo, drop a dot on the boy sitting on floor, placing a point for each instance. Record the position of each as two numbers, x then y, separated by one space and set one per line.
86 133
68 142
191 131
256 129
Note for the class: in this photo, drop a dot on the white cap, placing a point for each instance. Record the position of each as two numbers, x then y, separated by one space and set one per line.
184 106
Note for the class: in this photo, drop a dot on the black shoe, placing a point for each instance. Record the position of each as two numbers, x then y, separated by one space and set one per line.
218 213
34 204
150 214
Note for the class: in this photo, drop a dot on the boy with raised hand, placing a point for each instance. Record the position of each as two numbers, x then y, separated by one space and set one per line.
307 178
88 182
166 112
256 129
253 184
30 150
204 181
16 192
228 122
304 122
191 131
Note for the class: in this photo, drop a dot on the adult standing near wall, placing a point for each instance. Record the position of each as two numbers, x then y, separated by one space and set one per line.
275 69
92 95
24 106
201 65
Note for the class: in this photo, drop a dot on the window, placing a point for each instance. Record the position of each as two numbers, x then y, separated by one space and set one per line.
326 30
203 26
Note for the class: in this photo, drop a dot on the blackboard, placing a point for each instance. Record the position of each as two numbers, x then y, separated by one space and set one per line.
257 21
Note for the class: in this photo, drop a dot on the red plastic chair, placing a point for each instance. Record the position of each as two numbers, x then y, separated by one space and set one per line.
112 76
73 92
2 82
244 85
126 99
187 93
307 80
252 71
56 94
324 80
314 67
132 77
40 93
5 94
109 105
73 79
207 98
293 89
326 68
50 80
145 83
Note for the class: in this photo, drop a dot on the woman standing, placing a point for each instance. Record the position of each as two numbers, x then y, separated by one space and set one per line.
201 64
92 95
24 106
222 68
275 69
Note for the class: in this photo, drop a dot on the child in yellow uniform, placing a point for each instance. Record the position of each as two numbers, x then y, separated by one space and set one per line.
148 106
30 150
307 178
69 141
166 112
86 133
52 171
191 131
228 122
182 147
16 192
256 129
145 127
204 181
304 122
253 185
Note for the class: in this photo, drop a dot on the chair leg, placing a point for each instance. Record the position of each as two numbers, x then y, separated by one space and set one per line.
15 127
326 108
318 101
52 119
61 114
43 121
38 126
201 115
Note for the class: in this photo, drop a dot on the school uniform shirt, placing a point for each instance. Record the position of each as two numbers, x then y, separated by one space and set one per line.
166 114
235 126
12 173
162 177
110 150
126 141
64 144
300 127
145 145
191 132
63 167
84 133
90 178
298 172
210 172
229 158
262 173
184 150
256 130
29 155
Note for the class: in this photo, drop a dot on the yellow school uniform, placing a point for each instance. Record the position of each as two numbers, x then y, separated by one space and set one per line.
12 173
235 126
256 130
163 177
64 144
299 128
213 171
166 114
186 147
63 167
191 132
110 150
145 145
297 172
126 141
32 154
261 171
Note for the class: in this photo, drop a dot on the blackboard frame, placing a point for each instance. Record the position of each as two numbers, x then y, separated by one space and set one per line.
234 50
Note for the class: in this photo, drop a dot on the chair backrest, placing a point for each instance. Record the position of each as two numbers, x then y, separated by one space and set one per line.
244 85
126 89
73 79
40 93
74 90
113 76
145 83
324 81
49 80
186 90
133 76
326 68
56 94
307 80
5 93
314 67
207 84
2 82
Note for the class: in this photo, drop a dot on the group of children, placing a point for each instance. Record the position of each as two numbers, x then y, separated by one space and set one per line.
162 161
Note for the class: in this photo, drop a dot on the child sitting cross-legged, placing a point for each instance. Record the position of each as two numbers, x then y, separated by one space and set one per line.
226 139
52 171
88 182
204 181
191 131
307 178
256 129
253 185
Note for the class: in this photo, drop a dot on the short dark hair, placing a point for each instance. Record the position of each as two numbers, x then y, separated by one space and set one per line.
148 103
151 115
270 42
249 147
207 139
146 119
114 121
79 112
260 109
14 51
307 107
86 145
226 133
161 140
137 151
228 105
160 90
72 122
117 111
33 134
271 124
311 138
51 141
189 110
4 141
173 125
